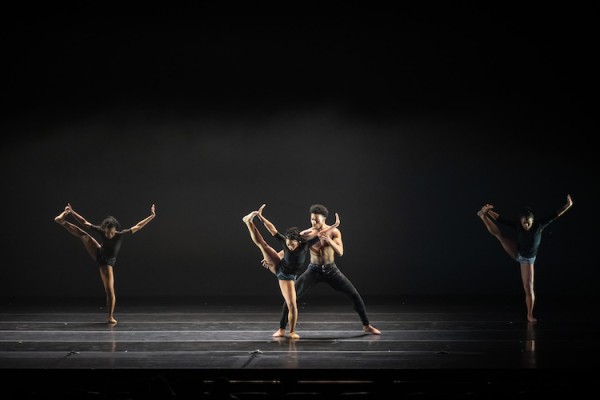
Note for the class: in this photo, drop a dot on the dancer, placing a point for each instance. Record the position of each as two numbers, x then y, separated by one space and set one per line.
524 247
322 267
285 264
104 253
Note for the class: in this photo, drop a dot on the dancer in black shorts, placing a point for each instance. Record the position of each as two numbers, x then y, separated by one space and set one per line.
322 267
524 247
104 253
285 264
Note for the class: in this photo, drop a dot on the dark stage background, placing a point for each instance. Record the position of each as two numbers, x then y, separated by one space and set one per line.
404 125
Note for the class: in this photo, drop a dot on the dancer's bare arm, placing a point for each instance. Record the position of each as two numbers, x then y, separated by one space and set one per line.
78 217
310 233
143 222
334 240
493 214
568 205
270 227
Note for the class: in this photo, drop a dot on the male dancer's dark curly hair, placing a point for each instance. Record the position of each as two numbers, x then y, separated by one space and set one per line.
319 209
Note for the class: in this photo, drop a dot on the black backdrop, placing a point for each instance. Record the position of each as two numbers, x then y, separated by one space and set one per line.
405 125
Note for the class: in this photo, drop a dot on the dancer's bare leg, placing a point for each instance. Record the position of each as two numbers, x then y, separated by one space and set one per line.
527 278
91 245
509 245
269 254
288 290
108 280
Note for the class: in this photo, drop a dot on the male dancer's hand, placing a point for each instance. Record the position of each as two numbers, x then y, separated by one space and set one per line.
324 237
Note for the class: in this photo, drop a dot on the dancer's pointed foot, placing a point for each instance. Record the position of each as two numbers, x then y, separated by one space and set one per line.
250 217
484 210
112 321
60 218
279 333
294 335
371 329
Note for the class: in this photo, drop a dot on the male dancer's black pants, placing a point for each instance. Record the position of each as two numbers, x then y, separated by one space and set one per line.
330 274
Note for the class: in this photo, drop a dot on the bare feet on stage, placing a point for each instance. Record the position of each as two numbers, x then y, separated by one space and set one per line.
112 321
530 318
294 335
371 329
279 333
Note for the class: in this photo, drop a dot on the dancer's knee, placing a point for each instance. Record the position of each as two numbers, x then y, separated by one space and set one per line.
110 292
528 288
292 306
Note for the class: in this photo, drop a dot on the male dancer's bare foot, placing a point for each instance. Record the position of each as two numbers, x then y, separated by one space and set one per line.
112 321
530 318
294 335
371 329
250 217
279 333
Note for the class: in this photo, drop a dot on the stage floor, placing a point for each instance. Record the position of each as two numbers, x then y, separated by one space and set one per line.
439 339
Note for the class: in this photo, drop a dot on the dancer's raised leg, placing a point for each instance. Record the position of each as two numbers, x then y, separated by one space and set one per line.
269 254
91 245
509 245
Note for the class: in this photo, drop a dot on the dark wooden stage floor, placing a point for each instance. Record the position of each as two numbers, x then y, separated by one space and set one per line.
441 346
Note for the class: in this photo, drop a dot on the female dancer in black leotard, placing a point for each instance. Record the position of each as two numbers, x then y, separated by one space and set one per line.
285 264
105 254
524 249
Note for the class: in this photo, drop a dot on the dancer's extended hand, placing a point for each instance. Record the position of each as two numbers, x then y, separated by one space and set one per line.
153 210
260 210
266 264
569 201
337 220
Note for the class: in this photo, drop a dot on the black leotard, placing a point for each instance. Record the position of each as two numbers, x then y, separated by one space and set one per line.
528 241
109 248
293 261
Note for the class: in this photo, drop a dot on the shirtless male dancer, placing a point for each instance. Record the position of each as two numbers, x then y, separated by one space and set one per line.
287 263
322 268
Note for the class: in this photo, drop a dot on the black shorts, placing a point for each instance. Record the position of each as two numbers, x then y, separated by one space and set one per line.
102 259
